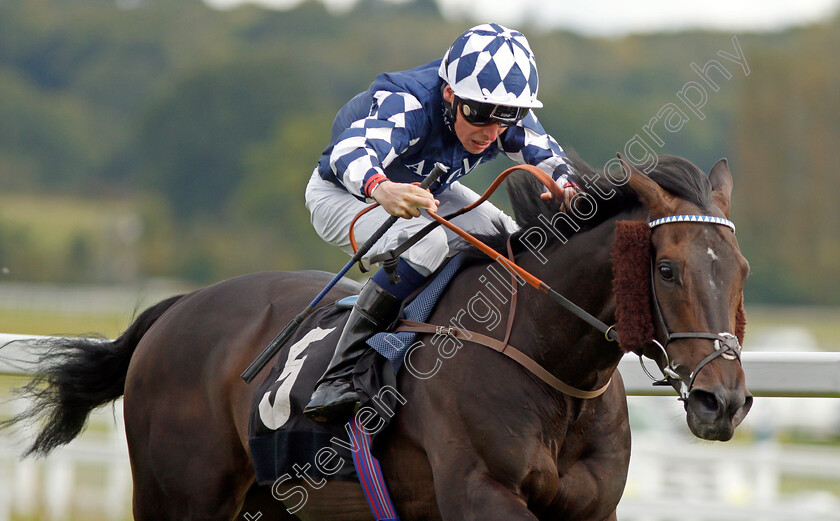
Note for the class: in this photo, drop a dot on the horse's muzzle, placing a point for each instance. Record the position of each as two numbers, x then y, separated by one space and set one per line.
713 414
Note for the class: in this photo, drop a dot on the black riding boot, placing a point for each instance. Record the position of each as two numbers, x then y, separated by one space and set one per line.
335 397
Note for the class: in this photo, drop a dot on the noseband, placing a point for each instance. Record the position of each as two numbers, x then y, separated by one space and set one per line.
726 344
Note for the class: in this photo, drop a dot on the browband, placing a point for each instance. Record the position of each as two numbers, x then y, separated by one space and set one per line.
693 219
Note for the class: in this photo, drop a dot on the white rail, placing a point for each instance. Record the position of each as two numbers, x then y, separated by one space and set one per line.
781 374
790 374
670 477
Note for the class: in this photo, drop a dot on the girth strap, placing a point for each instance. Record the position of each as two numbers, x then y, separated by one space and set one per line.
506 349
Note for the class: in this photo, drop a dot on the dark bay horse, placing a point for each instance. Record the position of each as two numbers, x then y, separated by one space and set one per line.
482 438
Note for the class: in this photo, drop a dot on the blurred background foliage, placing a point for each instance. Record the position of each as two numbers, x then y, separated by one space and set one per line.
145 139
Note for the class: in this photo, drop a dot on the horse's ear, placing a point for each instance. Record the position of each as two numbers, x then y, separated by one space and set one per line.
721 179
655 198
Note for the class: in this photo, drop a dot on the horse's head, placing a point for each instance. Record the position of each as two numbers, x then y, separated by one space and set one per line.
698 275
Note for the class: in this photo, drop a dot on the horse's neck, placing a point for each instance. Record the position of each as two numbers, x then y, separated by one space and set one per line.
581 271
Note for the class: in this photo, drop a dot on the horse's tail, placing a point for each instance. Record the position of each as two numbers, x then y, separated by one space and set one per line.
74 376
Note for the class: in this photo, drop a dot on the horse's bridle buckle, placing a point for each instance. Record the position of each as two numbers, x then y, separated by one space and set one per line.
446 331
728 343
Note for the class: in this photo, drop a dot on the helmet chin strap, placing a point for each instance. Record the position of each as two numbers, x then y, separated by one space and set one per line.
448 109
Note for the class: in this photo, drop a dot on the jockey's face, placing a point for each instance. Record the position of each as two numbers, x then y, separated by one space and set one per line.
474 138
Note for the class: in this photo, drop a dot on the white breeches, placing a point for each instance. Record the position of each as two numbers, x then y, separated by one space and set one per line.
333 209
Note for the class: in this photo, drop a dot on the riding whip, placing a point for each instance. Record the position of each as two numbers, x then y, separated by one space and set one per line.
275 345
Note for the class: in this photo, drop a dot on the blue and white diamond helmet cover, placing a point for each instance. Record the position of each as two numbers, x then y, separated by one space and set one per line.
492 64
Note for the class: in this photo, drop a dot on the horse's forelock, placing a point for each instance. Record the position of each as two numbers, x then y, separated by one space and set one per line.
683 179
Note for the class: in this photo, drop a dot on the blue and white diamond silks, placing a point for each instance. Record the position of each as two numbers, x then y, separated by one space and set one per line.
372 143
492 64
393 346
359 149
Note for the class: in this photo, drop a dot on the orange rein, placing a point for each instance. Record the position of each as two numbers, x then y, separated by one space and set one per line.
487 250
353 243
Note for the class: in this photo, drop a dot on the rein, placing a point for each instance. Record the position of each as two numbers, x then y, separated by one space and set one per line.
609 331
501 346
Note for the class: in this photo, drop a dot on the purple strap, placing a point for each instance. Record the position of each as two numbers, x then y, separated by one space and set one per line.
370 476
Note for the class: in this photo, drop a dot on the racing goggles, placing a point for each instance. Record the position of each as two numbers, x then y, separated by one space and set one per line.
480 114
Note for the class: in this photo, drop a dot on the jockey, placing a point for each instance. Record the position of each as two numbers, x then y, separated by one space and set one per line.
461 111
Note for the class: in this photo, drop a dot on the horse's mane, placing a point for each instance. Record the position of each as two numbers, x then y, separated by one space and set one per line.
678 176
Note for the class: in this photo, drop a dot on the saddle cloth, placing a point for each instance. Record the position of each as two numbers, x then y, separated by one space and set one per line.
283 442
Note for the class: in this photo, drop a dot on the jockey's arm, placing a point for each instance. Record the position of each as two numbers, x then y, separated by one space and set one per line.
365 149
528 142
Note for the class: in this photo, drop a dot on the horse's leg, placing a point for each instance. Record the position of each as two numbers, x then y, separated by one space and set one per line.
186 463
464 489
187 454
465 493
408 473
261 505
432 459
334 500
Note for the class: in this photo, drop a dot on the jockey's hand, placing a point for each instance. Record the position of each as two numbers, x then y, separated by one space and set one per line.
567 188
403 199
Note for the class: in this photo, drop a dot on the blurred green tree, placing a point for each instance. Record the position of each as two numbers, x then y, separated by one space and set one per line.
210 121
786 143
193 139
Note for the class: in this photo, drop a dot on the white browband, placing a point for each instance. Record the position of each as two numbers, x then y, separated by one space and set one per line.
693 219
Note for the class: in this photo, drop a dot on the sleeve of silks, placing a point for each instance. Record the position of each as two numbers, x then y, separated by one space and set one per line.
369 145
528 143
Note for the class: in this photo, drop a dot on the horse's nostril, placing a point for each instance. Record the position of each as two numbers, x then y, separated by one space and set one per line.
748 401
706 400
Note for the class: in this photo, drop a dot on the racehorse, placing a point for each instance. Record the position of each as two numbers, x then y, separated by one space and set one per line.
483 438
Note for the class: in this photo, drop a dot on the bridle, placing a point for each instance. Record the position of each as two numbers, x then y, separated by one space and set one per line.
725 343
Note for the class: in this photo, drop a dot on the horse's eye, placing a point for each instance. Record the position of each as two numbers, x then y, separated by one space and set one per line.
666 272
